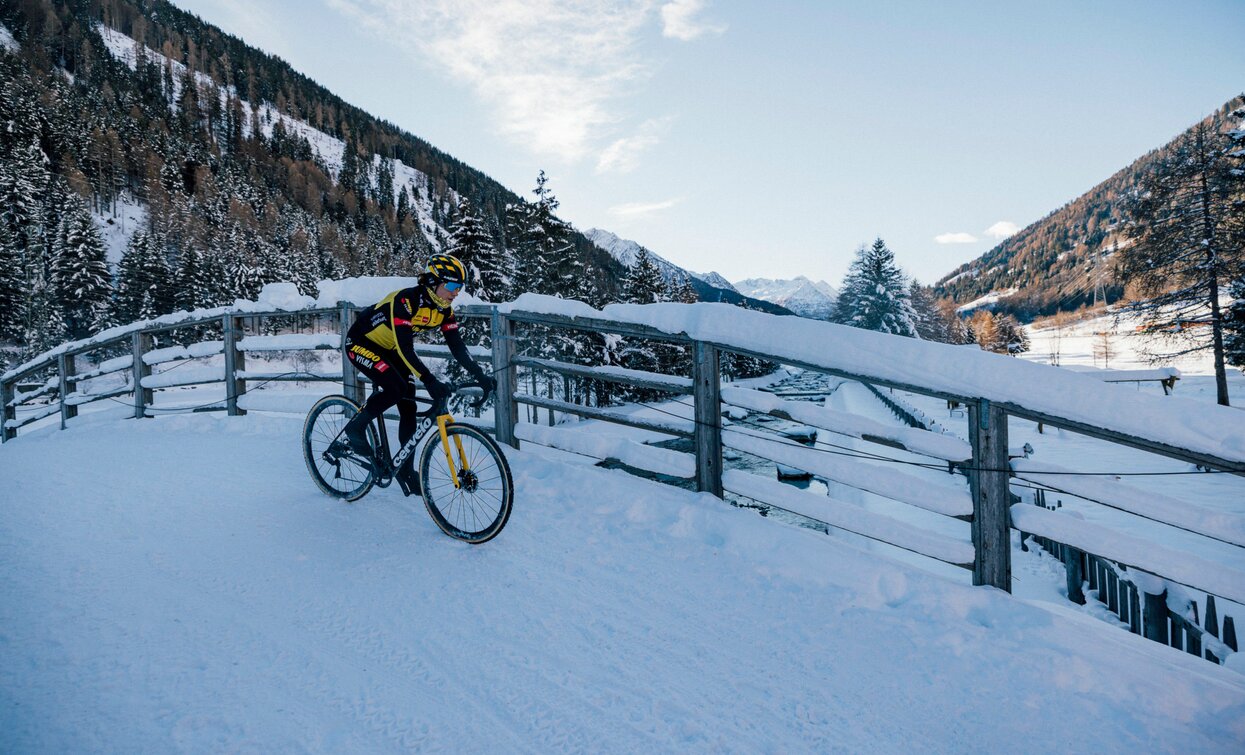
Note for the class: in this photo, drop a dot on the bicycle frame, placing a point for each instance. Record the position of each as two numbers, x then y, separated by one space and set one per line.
421 431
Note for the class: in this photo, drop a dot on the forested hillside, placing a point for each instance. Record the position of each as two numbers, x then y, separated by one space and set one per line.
241 170
1065 260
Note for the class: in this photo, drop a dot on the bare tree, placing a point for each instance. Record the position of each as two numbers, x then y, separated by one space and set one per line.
1185 230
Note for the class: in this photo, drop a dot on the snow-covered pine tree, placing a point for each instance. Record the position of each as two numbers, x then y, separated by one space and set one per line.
874 295
81 282
1011 338
1186 225
471 242
143 280
44 324
522 248
927 319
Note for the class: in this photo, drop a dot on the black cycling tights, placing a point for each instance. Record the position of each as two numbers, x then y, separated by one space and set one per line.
392 384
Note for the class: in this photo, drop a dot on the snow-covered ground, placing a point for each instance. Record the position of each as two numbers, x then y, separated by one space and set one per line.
1108 342
179 584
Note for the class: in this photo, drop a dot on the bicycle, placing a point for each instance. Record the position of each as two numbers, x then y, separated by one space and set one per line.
467 488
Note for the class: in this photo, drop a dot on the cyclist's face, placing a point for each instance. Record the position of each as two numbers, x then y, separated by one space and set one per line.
445 293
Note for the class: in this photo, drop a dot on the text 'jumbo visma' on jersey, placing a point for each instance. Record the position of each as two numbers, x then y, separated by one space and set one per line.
392 322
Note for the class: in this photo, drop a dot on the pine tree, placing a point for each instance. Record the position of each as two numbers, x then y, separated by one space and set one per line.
930 325
471 242
1234 325
12 288
1186 226
143 280
80 279
1011 337
875 295
643 283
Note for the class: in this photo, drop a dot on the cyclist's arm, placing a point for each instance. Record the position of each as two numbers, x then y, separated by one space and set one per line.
459 349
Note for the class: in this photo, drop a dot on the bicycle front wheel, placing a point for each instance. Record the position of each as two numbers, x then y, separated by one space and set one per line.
333 467
477 508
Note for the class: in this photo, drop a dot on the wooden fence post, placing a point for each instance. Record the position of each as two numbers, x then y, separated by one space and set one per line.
1154 626
706 391
7 412
140 344
1072 561
992 564
350 378
505 408
65 366
1211 625
234 362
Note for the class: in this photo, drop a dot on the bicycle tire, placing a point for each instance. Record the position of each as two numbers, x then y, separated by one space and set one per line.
321 430
477 510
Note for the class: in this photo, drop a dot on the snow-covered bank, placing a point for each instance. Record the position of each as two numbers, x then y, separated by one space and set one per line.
183 586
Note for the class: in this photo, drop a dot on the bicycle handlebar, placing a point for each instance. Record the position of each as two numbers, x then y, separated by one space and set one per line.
440 406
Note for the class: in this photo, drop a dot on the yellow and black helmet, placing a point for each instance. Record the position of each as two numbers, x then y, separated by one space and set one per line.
446 268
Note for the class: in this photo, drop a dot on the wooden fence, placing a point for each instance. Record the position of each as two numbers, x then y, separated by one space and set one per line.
976 496
1169 619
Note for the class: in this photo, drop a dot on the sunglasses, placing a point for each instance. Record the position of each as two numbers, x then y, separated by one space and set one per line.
452 285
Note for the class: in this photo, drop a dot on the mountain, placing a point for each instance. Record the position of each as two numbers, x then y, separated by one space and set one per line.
805 297
708 286
1064 260
167 125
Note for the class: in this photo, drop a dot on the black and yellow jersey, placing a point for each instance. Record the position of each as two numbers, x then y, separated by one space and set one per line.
391 324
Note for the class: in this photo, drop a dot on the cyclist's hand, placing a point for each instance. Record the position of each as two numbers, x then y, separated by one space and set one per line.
488 383
436 389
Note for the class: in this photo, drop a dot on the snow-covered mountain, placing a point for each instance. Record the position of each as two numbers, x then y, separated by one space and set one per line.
625 251
805 297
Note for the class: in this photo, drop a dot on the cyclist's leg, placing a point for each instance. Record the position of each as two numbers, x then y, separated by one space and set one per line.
389 381
408 422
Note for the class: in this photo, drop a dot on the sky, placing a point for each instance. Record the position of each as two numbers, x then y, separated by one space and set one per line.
774 139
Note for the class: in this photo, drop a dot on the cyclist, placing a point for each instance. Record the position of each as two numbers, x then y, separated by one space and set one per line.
381 345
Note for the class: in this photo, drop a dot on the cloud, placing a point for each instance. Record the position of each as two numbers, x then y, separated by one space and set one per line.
637 209
678 20
1002 229
553 73
624 154
955 238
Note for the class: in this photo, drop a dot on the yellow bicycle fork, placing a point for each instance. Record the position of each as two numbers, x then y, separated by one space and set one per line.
443 421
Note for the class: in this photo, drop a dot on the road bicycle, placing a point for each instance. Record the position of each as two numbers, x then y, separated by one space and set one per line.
466 483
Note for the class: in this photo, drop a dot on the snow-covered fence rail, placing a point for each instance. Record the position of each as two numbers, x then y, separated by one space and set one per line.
994 389
192 349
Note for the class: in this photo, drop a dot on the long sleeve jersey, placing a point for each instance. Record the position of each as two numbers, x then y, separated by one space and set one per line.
392 323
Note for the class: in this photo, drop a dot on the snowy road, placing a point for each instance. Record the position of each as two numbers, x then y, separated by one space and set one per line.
178 584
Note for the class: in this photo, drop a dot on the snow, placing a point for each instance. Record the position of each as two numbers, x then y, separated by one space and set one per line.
1219 431
118 224
1148 503
984 301
921 441
7 42
211 599
805 297
1182 567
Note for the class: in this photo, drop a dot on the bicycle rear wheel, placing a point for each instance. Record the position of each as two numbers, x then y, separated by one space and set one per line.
477 509
333 466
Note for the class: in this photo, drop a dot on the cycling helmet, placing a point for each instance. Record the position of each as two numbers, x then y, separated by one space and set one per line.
446 269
